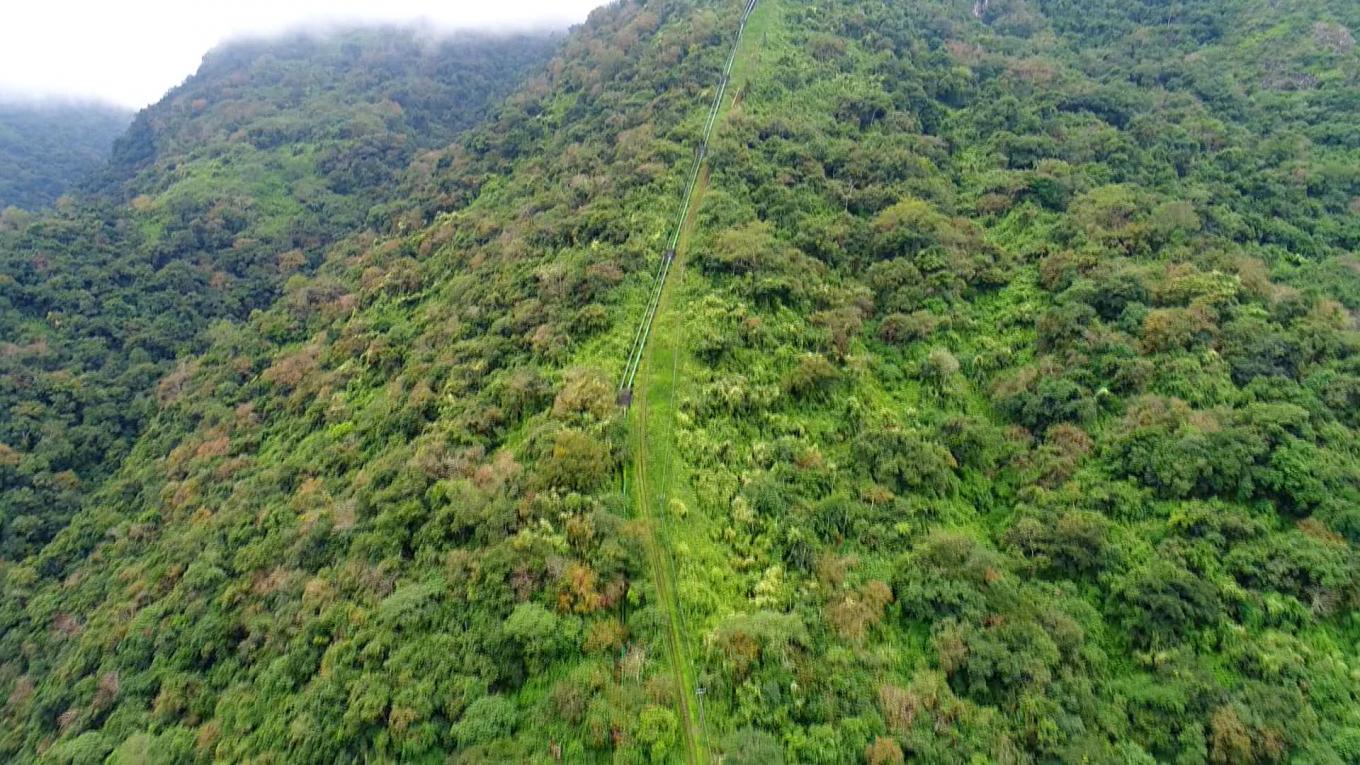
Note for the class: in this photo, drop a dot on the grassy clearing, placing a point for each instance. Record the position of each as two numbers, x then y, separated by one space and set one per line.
660 477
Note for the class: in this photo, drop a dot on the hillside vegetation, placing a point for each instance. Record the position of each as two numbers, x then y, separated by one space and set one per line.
237 182
1001 406
47 149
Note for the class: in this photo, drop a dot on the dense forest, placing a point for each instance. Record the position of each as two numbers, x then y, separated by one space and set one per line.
49 148
1002 402
214 199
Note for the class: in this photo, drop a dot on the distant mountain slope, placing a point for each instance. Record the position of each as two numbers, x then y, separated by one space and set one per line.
236 182
1001 406
46 149
361 103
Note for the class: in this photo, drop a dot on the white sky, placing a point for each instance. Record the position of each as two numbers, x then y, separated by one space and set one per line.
130 52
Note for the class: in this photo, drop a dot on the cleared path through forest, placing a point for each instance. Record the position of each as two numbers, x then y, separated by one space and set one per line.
668 257
653 461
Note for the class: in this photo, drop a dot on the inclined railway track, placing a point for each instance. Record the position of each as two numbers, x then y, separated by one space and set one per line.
651 492
644 329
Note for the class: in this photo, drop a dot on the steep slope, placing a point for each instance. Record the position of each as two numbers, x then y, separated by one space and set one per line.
216 196
381 517
1001 406
995 440
320 117
648 481
47 149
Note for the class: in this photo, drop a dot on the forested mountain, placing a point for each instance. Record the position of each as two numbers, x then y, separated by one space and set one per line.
1001 405
216 196
48 148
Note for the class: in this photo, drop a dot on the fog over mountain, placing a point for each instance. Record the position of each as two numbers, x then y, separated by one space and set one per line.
130 53
47 145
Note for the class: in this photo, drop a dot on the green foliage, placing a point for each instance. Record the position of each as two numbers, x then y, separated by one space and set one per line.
486 719
539 633
1076 314
48 149
656 730
1003 406
747 746
214 200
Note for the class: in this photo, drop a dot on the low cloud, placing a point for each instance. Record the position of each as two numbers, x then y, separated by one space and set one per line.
130 53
